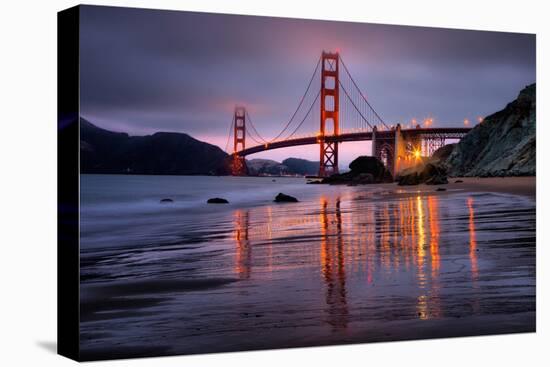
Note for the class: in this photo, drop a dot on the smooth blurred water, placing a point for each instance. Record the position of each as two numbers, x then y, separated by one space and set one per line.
345 264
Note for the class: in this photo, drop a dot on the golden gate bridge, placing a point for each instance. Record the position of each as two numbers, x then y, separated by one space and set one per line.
324 119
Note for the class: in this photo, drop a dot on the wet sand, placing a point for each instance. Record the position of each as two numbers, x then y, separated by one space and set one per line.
525 186
344 265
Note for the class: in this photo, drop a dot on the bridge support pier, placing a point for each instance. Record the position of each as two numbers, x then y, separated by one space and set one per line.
397 150
384 148
408 150
238 165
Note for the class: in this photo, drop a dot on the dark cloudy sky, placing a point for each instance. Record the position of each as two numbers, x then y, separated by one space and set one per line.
144 71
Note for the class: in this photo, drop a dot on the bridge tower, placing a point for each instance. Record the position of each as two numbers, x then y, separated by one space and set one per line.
238 166
330 106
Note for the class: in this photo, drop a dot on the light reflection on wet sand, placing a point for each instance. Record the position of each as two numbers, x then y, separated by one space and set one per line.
389 237
341 268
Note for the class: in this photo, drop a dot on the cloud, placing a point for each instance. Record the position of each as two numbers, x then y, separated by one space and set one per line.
151 70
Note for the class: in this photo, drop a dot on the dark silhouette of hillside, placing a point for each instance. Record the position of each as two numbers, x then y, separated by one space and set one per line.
104 151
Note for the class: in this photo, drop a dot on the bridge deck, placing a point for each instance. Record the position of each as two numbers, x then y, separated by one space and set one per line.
445 132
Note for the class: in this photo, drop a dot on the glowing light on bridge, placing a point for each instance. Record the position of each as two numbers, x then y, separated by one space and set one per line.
428 122
358 120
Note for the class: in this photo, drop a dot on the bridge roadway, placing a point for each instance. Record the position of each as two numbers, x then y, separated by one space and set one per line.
444 132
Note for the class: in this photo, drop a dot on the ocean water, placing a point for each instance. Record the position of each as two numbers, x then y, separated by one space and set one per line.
344 265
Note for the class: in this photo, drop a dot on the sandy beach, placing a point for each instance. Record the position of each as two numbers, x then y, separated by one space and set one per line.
344 265
510 185
525 186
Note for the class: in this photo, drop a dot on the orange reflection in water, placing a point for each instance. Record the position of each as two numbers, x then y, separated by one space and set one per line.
394 239
385 238
423 300
244 250
433 211
333 264
403 234
370 247
435 263
269 239
409 214
368 241
421 235
473 241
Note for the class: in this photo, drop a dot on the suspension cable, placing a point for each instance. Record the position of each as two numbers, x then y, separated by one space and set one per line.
252 137
229 135
307 114
360 113
253 127
301 102
361 93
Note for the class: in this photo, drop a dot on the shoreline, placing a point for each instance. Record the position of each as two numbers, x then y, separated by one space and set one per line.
366 263
523 186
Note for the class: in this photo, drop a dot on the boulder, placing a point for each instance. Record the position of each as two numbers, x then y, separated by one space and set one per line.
166 201
217 201
363 170
431 171
437 180
283 198
363 178
409 179
365 164
430 174
443 153
338 179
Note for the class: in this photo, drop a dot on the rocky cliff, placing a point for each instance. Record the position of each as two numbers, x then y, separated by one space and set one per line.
502 145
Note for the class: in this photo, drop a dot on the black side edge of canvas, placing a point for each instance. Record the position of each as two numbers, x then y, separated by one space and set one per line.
68 183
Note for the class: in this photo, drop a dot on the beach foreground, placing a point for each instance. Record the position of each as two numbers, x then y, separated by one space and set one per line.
344 265
525 186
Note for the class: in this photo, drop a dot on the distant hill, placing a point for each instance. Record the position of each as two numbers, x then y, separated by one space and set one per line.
104 151
258 167
290 166
504 144
302 166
